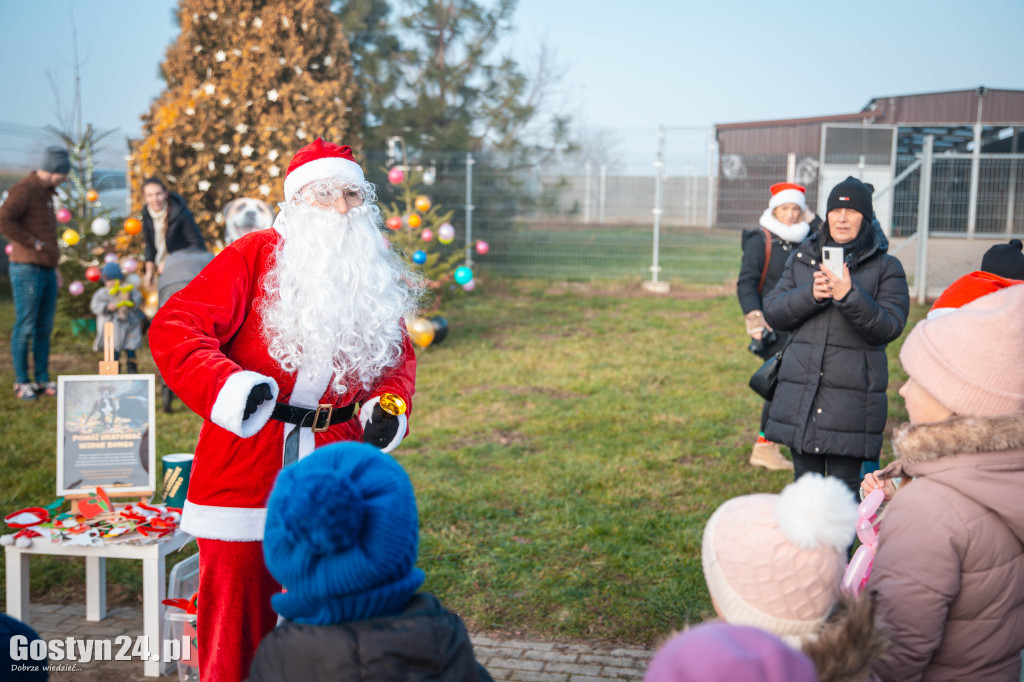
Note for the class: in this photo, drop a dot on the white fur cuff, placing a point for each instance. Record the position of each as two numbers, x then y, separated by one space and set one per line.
239 524
230 404
366 413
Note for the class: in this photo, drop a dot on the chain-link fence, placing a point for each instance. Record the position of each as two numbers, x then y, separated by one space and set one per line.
658 204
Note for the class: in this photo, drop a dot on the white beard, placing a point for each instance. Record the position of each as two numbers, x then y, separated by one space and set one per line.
336 296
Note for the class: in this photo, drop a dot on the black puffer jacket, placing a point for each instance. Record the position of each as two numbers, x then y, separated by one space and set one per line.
181 232
424 642
831 392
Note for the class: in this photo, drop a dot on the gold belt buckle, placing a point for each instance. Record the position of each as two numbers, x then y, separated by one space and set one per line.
322 409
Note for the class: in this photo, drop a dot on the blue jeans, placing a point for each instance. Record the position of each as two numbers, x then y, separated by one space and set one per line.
35 302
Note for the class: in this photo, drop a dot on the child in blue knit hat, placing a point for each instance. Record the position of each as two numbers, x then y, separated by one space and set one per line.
120 303
341 536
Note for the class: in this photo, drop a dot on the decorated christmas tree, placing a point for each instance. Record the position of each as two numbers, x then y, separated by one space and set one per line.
420 231
249 82
88 238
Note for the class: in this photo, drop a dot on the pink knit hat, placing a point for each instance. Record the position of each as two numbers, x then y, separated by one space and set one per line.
720 652
775 561
972 359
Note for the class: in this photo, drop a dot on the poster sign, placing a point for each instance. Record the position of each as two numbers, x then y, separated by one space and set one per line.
105 434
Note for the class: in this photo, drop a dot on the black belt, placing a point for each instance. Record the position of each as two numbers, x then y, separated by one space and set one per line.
319 418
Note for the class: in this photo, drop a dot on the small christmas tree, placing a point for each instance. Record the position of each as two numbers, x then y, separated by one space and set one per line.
85 227
420 231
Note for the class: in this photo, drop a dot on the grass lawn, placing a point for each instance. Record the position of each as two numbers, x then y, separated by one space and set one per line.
569 442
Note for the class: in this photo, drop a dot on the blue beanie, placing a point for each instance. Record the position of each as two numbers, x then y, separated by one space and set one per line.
112 271
342 536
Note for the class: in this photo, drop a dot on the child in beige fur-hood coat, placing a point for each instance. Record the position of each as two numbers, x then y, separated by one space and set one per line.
948 575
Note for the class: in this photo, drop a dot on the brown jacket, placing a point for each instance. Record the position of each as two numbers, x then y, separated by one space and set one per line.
27 215
949 568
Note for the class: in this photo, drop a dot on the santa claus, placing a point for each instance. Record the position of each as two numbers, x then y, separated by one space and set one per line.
276 344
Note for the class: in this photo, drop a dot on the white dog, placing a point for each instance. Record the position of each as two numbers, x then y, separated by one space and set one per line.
245 215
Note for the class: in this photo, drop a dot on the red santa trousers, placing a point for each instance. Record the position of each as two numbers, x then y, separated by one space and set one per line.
234 607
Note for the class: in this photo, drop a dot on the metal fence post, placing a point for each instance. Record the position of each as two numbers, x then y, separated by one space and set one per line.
924 204
469 209
586 192
601 192
712 172
659 165
1011 188
972 204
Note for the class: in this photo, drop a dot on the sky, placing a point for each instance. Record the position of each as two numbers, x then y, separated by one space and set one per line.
628 66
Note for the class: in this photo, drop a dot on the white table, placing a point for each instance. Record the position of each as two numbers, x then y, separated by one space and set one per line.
154 581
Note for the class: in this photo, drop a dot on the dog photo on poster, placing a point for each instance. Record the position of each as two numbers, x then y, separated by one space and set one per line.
105 433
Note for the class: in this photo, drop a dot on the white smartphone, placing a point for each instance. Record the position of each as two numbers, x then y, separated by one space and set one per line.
832 257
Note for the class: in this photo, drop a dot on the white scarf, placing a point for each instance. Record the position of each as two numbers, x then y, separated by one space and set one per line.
159 228
794 233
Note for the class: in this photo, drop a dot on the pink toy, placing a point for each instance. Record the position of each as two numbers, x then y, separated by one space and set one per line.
859 569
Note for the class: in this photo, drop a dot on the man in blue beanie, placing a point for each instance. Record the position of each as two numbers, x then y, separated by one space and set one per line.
342 535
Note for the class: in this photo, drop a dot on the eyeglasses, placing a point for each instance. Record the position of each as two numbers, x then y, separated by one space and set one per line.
326 193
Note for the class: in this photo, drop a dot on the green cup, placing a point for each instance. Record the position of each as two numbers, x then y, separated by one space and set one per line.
177 469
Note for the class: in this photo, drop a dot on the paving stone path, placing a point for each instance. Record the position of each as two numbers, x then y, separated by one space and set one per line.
506 659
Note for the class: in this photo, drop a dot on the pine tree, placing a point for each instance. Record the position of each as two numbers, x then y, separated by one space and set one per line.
249 82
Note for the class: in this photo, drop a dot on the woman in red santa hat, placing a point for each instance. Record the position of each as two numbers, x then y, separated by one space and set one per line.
784 224
291 338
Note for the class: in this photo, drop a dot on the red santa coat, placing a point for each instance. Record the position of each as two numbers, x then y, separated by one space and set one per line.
208 343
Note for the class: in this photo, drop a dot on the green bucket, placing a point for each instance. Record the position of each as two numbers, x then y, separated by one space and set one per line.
83 325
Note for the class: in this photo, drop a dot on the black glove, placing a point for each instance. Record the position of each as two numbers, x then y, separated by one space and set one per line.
259 394
381 429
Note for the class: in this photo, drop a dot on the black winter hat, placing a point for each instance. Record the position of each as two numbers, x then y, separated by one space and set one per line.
56 160
852 193
1005 260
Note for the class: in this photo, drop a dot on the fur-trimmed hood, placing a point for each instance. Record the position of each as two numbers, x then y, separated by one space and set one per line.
848 642
980 457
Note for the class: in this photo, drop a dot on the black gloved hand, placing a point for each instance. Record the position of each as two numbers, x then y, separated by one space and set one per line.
259 394
381 429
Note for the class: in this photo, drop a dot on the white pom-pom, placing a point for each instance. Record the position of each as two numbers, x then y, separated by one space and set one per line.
23 542
6 540
817 511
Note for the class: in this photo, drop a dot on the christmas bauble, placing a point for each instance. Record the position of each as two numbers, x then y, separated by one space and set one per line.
129 266
76 288
422 203
419 258
92 273
133 226
101 227
8 249
110 258
421 331
63 215
470 285
394 222
463 275
396 176
92 195
70 237
415 221
427 234
482 247
446 233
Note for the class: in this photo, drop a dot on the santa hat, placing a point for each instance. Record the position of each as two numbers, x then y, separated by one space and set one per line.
966 289
787 193
775 561
320 160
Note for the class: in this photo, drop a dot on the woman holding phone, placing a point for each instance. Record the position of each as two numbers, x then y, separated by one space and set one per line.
830 405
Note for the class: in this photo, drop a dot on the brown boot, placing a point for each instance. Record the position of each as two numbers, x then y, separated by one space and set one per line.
767 454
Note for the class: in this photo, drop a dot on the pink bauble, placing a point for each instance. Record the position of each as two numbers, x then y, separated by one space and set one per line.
396 176
427 234
470 285
76 288
110 258
482 247
8 249
129 266
63 215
